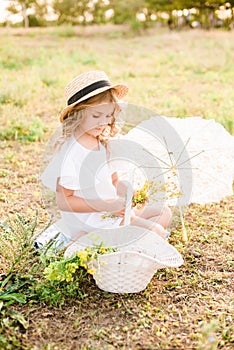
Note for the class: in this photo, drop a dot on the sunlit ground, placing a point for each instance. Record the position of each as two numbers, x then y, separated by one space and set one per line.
181 73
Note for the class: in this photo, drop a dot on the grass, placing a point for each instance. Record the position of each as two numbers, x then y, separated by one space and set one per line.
183 73
22 131
170 73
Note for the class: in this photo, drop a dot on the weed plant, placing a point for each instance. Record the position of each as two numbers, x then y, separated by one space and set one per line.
37 276
22 271
23 268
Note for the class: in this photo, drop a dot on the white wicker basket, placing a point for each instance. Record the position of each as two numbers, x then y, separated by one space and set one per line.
140 253
125 272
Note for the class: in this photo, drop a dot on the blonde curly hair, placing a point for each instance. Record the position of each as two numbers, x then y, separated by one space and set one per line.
74 117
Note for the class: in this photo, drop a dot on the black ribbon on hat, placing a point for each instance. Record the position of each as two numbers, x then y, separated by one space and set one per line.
85 91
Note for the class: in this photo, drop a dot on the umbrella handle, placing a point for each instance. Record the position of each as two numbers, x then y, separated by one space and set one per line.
184 231
129 195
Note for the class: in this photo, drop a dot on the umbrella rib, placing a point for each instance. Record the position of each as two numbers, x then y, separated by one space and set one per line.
158 167
188 168
168 151
185 145
163 173
156 157
153 167
190 158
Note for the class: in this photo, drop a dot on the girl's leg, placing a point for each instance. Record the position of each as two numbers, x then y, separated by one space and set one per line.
159 215
149 225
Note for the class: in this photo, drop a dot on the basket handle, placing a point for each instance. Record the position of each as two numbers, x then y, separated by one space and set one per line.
129 195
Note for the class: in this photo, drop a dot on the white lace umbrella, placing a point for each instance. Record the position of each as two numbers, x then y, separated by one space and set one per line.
192 159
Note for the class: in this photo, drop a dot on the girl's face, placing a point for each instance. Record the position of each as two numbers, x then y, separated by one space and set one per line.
96 119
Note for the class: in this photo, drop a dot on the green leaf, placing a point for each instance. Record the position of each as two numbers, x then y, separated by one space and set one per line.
6 280
19 317
20 298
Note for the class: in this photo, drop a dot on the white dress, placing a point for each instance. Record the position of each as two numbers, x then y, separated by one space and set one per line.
88 174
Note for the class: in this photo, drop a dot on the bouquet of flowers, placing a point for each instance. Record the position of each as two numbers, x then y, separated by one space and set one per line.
141 196
156 190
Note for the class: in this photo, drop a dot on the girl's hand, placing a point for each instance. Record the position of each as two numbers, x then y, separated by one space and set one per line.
138 209
116 206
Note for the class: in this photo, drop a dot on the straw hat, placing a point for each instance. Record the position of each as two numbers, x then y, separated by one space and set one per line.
87 85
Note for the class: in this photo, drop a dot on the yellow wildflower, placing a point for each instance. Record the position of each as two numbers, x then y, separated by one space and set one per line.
83 265
102 250
82 255
141 195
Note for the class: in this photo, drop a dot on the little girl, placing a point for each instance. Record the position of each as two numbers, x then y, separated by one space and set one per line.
89 194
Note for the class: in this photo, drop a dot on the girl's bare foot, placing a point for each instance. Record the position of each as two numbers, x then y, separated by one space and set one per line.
157 228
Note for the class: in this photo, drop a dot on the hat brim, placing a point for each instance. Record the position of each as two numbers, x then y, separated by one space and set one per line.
120 90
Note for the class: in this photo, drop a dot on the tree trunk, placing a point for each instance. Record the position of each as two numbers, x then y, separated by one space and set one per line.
25 15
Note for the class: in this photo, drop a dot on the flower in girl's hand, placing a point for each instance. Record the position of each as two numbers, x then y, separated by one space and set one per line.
108 216
141 196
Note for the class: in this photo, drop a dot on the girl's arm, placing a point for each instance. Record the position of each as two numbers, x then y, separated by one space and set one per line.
66 201
121 186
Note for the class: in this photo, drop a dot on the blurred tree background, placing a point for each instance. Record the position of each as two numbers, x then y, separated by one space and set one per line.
176 14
